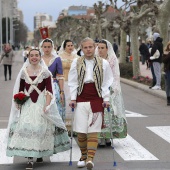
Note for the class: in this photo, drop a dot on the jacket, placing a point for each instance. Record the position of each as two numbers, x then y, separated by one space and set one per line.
166 61
158 45
7 59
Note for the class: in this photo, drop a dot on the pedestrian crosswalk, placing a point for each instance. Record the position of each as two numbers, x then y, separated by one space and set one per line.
129 149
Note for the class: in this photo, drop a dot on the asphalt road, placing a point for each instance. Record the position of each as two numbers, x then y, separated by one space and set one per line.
147 146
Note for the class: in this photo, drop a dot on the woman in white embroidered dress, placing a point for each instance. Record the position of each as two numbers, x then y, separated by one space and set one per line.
119 123
32 133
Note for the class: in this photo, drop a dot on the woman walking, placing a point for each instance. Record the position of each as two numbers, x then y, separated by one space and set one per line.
166 61
7 60
36 130
119 124
54 64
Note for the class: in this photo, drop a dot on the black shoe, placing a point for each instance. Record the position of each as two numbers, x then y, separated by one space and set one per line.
5 79
108 143
39 160
10 78
168 101
101 146
29 165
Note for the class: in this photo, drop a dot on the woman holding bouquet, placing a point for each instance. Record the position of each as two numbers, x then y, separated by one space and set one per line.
38 129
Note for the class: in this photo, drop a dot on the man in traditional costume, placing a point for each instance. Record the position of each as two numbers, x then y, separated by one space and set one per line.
89 80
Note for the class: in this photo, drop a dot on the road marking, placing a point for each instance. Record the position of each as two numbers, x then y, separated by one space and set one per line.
161 131
3 158
130 150
65 156
134 114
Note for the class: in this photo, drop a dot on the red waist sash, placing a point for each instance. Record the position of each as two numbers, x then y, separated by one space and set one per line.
89 94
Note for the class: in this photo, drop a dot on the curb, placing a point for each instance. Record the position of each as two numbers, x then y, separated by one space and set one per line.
145 88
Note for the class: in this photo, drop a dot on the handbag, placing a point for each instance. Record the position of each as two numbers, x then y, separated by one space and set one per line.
156 55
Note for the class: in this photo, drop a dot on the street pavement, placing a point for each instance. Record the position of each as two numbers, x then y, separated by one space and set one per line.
147 146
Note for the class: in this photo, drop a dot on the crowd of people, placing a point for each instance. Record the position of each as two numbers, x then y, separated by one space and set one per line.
88 81
154 55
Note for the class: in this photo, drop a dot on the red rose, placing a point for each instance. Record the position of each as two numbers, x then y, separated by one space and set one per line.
21 96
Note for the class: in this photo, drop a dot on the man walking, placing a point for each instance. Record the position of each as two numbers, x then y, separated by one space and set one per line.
89 80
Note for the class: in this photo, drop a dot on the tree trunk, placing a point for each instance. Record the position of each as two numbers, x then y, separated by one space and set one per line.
122 58
135 47
109 36
163 20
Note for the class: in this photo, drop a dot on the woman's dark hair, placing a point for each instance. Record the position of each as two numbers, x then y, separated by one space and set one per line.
58 48
47 40
34 50
65 43
103 42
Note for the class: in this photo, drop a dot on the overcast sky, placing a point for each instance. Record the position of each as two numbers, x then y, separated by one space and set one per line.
52 7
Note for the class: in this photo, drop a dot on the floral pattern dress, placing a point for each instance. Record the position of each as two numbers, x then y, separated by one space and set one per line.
117 109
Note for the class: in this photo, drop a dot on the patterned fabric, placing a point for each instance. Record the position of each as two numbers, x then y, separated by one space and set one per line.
33 135
56 69
61 107
97 73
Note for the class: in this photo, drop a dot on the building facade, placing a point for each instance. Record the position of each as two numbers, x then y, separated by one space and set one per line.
40 19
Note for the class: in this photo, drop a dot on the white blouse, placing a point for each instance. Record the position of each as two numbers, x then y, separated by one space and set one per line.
73 78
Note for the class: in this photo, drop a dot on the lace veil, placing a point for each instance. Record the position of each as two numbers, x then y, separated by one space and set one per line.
62 49
53 52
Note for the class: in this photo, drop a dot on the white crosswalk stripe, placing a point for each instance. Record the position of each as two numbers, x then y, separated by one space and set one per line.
65 156
161 131
3 158
130 150
133 114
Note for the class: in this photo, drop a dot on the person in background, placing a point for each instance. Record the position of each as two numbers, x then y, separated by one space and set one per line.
166 61
25 53
7 59
67 54
157 45
115 47
144 52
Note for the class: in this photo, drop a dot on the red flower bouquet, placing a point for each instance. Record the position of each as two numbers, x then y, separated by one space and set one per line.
20 99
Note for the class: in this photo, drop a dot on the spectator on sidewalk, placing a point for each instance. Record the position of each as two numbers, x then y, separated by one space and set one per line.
7 60
115 48
25 53
157 45
166 61
144 52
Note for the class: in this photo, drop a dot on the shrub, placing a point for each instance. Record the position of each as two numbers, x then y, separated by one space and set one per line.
126 70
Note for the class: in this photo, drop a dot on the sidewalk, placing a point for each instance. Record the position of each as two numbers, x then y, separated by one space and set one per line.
145 88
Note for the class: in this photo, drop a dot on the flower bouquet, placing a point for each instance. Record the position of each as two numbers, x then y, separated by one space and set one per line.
20 99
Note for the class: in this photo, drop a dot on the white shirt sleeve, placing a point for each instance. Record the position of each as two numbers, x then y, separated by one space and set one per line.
73 80
107 80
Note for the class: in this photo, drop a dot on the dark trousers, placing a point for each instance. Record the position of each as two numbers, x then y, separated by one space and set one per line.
167 83
9 67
